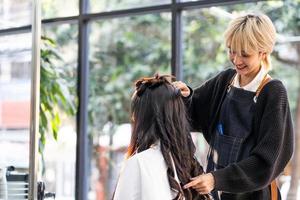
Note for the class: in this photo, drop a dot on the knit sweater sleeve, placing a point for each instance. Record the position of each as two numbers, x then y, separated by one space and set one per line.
201 98
197 110
273 149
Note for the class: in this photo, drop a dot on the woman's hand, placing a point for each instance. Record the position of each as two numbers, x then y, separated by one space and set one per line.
185 91
203 184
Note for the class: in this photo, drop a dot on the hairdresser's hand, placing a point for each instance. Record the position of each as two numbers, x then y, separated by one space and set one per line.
185 91
203 184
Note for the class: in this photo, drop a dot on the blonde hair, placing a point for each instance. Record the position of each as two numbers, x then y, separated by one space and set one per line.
252 33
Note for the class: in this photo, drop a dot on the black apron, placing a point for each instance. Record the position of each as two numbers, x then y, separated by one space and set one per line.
231 142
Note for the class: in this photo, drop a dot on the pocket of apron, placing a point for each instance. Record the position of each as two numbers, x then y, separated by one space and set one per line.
227 149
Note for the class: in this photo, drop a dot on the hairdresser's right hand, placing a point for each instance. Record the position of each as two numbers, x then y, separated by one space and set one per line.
184 89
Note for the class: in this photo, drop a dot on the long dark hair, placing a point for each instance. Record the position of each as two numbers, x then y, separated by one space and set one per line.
158 114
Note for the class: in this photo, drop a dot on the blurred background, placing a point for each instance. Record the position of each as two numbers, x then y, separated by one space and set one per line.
92 51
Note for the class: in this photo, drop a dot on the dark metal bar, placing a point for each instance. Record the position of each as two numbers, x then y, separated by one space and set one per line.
60 20
82 147
176 60
18 30
27 28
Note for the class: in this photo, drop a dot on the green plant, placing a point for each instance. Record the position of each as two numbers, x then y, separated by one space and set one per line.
55 94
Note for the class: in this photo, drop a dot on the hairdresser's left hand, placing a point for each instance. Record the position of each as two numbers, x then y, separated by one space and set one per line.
203 184
184 89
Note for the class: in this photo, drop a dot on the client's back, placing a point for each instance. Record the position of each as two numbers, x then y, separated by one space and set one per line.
161 152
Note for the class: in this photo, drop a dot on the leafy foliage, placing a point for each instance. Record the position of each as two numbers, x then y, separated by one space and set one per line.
54 93
125 52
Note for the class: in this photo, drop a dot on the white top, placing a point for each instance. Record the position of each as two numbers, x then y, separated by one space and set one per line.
144 177
254 84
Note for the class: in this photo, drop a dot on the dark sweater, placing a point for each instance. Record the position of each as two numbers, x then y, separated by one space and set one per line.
272 132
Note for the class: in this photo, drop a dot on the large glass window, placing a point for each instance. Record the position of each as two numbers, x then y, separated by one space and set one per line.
15 56
60 154
121 51
14 13
204 50
110 5
59 8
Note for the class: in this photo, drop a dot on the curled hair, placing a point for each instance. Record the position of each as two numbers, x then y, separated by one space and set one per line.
158 114
252 33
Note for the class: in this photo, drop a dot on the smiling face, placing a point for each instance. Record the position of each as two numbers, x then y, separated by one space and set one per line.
250 40
247 65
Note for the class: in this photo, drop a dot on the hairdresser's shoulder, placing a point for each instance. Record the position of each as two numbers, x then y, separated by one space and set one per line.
275 90
225 75
228 72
